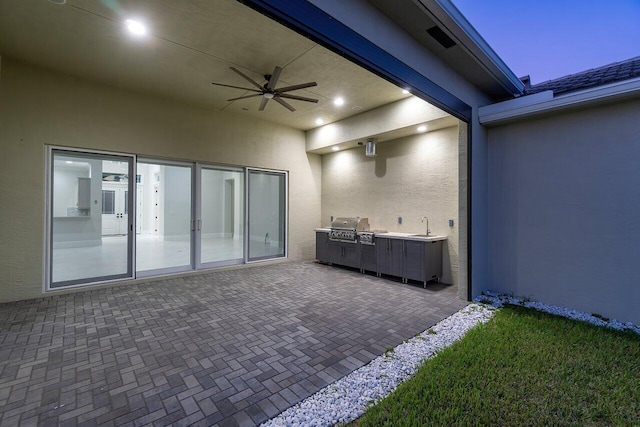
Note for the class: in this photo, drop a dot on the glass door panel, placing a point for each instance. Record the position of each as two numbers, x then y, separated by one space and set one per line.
163 229
86 191
267 214
221 219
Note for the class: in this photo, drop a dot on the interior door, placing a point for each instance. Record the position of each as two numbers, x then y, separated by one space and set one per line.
115 208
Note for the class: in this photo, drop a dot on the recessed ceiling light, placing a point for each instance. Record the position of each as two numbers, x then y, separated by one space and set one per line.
58 1
335 148
422 128
68 162
136 28
319 121
405 91
338 102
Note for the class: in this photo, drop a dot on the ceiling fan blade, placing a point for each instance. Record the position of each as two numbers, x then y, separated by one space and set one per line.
263 103
271 84
296 87
236 87
283 103
244 97
299 98
247 78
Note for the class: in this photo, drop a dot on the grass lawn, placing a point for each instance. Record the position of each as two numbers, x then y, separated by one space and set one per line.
523 368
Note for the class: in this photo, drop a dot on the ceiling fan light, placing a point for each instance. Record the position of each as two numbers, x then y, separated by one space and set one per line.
268 95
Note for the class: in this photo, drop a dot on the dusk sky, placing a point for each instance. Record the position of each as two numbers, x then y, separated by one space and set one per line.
553 38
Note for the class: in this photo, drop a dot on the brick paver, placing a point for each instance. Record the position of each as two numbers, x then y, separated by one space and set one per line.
231 347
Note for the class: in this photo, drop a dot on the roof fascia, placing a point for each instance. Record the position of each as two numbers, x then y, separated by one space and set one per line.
448 16
544 102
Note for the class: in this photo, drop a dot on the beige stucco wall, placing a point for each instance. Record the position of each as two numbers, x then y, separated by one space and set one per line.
38 107
411 177
564 209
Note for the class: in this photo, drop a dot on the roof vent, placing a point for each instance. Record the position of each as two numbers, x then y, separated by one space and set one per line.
441 37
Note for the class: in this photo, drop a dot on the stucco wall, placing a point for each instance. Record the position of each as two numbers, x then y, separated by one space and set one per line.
564 210
411 177
38 107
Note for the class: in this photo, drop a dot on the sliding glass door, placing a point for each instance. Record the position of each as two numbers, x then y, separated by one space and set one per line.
267 199
164 237
111 217
220 223
91 231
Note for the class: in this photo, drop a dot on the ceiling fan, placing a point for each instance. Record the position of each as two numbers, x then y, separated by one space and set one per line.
268 90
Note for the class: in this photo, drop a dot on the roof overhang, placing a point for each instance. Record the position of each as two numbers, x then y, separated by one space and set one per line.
545 102
446 15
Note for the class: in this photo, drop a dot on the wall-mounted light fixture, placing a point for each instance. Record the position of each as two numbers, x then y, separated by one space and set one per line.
370 148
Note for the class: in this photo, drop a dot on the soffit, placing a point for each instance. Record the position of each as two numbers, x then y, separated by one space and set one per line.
412 18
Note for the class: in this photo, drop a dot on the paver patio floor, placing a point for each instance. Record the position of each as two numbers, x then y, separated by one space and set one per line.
232 347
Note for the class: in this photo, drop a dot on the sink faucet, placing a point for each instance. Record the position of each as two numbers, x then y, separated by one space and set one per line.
424 218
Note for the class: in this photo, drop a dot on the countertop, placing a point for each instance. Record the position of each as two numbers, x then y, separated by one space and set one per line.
397 235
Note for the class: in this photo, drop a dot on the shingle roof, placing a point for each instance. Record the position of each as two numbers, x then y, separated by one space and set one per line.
611 73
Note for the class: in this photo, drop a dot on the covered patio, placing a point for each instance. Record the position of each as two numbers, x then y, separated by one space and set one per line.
228 347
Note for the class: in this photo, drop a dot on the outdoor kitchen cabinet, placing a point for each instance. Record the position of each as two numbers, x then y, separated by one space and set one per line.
409 259
389 256
422 261
344 253
368 261
322 247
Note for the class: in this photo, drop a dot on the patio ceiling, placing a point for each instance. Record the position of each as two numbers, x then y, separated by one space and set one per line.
190 45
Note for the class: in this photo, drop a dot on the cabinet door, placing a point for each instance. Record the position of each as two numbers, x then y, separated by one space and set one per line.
84 193
368 257
322 246
382 255
394 267
335 252
433 260
350 255
414 260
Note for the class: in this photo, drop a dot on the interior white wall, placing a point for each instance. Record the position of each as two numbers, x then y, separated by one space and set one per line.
40 107
65 188
79 231
564 209
176 203
411 177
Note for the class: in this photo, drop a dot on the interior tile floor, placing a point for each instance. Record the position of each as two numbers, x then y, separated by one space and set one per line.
152 252
228 347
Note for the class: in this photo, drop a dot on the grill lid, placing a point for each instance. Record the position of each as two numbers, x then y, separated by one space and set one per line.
354 224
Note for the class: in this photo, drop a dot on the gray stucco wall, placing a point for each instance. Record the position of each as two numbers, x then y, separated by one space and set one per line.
564 209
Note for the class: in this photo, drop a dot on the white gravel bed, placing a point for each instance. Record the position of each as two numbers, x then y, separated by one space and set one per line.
349 397
498 300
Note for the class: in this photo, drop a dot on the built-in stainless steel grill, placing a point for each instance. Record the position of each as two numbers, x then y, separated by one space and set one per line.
346 229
